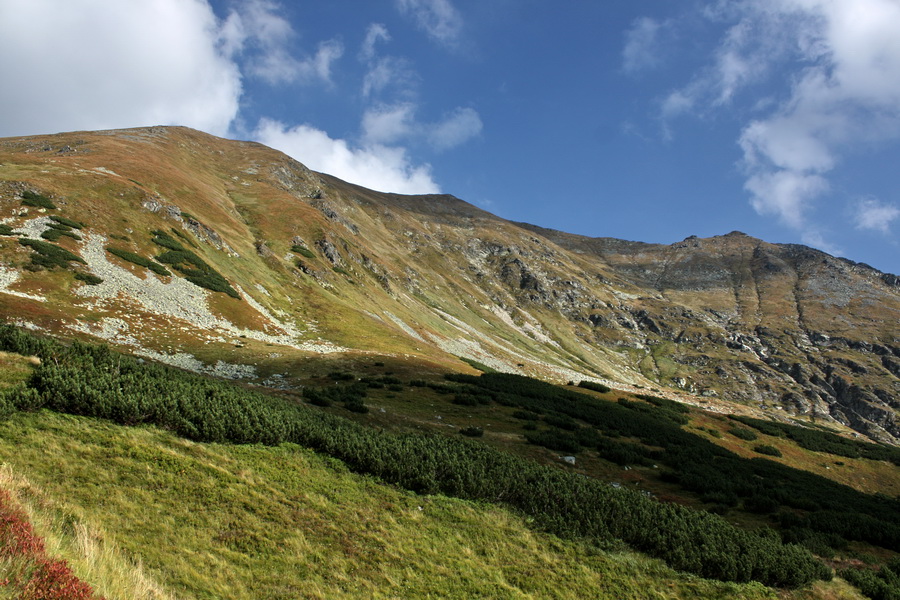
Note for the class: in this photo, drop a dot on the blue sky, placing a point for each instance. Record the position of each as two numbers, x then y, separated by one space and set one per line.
647 120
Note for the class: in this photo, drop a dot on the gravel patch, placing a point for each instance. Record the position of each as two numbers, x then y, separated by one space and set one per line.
402 325
177 299
33 228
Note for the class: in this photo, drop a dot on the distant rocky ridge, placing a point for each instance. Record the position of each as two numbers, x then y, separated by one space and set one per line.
783 329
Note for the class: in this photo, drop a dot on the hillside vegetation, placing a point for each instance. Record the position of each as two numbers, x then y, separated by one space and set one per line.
94 381
400 427
168 518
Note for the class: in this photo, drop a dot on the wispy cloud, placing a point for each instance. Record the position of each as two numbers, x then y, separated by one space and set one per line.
388 124
376 32
438 18
843 62
641 51
875 215
256 34
455 129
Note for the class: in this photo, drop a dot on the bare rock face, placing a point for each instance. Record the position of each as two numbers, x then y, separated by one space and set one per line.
330 252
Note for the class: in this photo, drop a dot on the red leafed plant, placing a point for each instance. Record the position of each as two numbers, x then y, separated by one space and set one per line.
41 578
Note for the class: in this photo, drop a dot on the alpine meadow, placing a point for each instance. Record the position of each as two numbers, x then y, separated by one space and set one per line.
225 375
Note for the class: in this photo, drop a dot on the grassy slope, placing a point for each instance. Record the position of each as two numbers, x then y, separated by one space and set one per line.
222 521
143 514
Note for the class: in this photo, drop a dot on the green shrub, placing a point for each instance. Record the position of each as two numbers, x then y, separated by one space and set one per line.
881 585
185 238
67 222
554 439
161 238
823 441
341 271
54 234
357 407
472 431
767 450
30 198
743 433
465 400
159 269
196 270
477 365
49 255
303 251
6 229
340 376
138 260
561 421
88 278
597 387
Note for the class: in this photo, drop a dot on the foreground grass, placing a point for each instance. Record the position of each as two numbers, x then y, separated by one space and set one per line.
174 518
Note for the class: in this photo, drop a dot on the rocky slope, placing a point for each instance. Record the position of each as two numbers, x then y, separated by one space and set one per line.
320 266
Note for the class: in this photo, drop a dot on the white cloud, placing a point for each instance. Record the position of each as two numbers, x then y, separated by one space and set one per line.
256 34
457 128
785 194
374 34
374 166
389 72
872 214
438 18
848 95
641 41
842 62
100 64
389 124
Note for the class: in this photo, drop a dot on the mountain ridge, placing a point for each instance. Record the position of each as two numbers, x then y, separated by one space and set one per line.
781 329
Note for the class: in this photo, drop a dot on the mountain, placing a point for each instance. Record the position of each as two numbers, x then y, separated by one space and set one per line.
646 420
269 269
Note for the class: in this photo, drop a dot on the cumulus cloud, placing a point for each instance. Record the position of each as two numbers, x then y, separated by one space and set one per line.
842 60
872 214
848 95
641 41
438 18
785 194
375 166
258 35
106 64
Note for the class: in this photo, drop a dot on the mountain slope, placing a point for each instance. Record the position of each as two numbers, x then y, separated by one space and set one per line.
323 268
